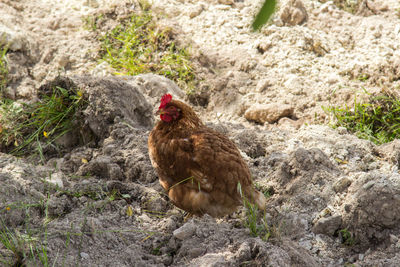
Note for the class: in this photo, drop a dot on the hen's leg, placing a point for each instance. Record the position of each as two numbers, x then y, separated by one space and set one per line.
188 216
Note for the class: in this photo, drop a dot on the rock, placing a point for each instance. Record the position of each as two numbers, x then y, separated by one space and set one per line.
144 218
69 139
294 13
168 224
250 144
103 167
391 151
366 8
196 252
293 83
289 124
332 78
63 60
58 206
246 64
342 130
195 11
327 225
15 40
263 46
268 112
110 98
185 231
154 86
262 85
244 252
341 184
84 255
226 2
393 239
56 179
373 207
210 260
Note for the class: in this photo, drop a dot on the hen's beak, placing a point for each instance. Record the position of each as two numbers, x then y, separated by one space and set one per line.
160 112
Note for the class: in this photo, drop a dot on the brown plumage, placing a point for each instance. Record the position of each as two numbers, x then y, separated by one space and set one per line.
201 169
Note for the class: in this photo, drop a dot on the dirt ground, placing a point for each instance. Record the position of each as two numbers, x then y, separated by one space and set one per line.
335 198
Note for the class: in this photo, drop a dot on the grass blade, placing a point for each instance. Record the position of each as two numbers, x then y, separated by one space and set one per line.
264 14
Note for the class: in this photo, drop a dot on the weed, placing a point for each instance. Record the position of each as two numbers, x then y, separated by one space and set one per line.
347 237
90 23
156 251
3 69
363 77
377 121
144 5
257 227
138 46
25 249
14 244
41 123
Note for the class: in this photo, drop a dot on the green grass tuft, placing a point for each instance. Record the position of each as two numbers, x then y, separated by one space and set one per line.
347 237
257 226
378 120
28 246
138 46
22 249
39 123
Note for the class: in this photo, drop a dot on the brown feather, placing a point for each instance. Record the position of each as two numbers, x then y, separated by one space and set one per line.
199 167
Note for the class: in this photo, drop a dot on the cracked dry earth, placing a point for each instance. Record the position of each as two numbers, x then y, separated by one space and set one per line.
265 90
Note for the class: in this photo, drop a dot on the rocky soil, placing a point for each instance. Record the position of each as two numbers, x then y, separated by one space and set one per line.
335 198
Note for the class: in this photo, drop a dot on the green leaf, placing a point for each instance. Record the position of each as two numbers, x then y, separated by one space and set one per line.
264 14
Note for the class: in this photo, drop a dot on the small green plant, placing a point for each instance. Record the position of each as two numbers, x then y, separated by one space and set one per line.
14 244
363 77
3 69
144 5
40 123
257 227
138 46
23 248
28 246
377 120
347 237
90 23
156 251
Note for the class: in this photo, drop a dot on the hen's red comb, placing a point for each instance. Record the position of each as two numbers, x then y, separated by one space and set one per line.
165 99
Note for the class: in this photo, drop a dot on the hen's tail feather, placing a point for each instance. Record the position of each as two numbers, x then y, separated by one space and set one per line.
257 198
260 200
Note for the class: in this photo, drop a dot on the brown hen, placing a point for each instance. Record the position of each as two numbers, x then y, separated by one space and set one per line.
201 169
